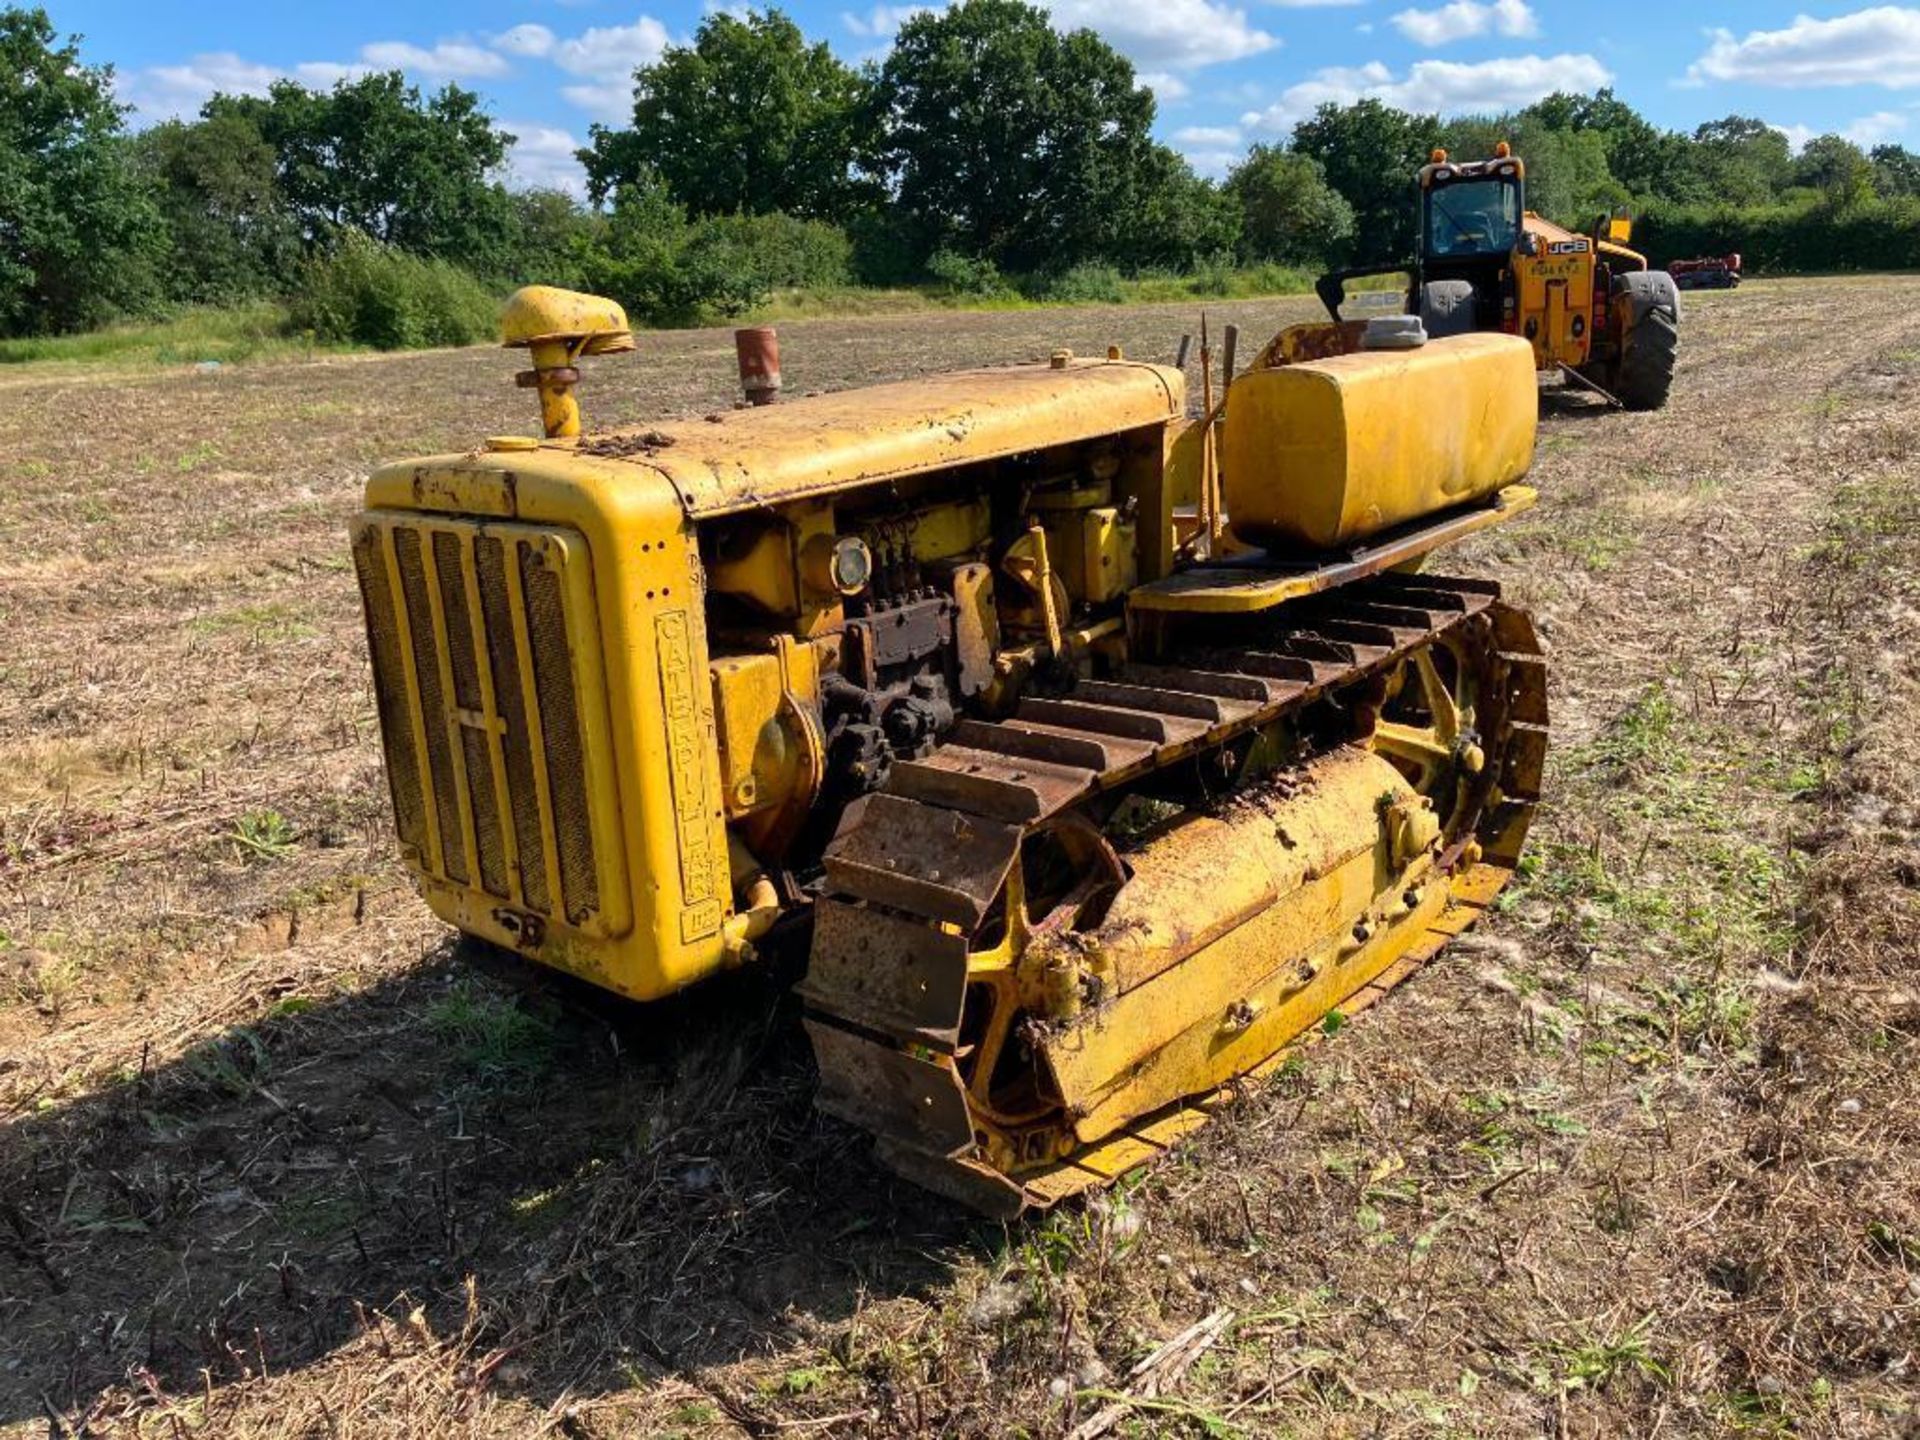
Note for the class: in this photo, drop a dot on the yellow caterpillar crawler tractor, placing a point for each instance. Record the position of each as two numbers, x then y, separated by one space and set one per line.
1097 751
1593 311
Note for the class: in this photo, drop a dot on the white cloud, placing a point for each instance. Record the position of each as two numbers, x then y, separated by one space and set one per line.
170 92
542 158
1866 132
1316 4
1444 86
1465 19
607 51
883 22
447 60
1878 46
1167 34
1162 37
1208 135
610 101
1214 164
531 42
1212 150
165 92
601 60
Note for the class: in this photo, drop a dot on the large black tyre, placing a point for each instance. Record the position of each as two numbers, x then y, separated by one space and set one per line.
1643 373
1447 308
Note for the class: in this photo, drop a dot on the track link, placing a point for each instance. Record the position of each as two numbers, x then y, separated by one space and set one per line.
915 879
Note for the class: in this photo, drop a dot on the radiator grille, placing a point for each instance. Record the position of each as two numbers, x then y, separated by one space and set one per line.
474 632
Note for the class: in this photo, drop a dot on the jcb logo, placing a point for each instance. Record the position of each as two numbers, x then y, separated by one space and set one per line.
1567 247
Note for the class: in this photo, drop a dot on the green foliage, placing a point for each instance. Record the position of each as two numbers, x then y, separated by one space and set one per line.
748 119
233 235
1171 219
1896 171
1785 239
1011 140
1739 161
263 835
1837 169
1288 212
667 269
373 155
192 335
779 251
373 294
548 230
1089 283
498 1042
963 274
1370 153
1641 159
80 238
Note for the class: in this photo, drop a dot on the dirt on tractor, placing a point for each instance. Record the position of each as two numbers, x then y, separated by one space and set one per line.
1639 1157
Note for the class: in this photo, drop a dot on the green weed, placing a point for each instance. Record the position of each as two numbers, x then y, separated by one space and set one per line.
1598 1361
263 835
495 1040
271 621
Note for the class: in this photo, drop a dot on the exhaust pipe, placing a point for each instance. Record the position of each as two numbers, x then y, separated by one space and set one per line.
758 349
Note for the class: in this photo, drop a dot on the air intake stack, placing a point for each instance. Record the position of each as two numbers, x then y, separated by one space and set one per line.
556 327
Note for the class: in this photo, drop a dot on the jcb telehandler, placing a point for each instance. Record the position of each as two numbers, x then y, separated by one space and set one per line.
1591 308
1091 776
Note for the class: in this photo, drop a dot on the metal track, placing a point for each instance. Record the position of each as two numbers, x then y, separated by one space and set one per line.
915 872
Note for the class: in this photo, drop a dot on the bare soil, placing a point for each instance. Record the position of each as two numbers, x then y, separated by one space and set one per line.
277 1158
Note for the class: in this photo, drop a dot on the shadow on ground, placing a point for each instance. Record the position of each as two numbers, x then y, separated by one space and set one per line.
630 1188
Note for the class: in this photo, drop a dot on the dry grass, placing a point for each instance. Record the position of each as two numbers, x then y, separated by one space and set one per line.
1641 1158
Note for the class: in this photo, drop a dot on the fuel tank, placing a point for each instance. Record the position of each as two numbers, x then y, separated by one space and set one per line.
1324 453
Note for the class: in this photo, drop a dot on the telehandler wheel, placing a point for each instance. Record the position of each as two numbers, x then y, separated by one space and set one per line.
1643 374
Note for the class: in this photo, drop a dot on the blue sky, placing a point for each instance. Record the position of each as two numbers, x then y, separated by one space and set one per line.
1226 73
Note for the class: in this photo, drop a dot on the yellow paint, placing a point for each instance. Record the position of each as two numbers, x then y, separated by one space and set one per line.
640 671
683 752
557 327
825 444
1225 932
766 710
1236 590
588 324
1555 285
1327 452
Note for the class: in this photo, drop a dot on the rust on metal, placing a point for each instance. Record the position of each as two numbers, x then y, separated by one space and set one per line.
964 946
757 347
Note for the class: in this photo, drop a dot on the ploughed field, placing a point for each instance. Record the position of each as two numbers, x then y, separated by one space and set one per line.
1642 1156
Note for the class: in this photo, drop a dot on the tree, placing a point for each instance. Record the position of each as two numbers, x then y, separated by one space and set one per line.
549 228
1288 212
1740 161
747 119
1896 171
1007 139
1170 218
1648 162
373 155
232 234
1838 169
1370 153
80 237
